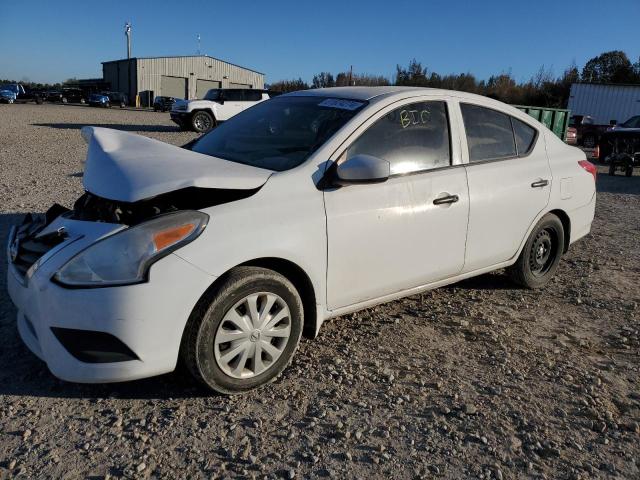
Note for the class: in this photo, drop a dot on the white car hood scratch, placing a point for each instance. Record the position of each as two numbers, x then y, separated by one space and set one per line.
128 167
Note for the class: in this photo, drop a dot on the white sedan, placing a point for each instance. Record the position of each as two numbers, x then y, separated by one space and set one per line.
302 208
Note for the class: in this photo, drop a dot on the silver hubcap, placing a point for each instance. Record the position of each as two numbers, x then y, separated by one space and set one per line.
252 335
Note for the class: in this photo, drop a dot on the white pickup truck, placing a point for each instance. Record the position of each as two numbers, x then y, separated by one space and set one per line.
217 106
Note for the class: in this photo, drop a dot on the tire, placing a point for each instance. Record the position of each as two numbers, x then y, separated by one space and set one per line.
107 105
122 105
589 141
202 122
628 172
535 266
612 169
203 350
64 100
82 101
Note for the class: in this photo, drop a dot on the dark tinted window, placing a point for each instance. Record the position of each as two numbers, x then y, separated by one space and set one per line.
489 133
252 95
279 134
525 136
411 138
233 95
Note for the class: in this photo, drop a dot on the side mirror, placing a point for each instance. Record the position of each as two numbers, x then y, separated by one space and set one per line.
362 169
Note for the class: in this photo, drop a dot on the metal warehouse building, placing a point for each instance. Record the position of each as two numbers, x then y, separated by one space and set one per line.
605 102
180 77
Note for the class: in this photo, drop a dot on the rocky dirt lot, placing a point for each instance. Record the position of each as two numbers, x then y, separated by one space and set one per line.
477 380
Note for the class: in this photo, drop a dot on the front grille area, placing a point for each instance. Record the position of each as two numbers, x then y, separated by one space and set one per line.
28 245
91 346
31 250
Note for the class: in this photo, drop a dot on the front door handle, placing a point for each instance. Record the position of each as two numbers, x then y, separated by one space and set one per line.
540 183
446 200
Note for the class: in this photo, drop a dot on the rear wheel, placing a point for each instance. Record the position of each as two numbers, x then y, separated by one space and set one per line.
541 254
246 333
82 101
202 122
64 100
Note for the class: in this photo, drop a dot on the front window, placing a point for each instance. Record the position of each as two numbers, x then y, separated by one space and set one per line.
212 95
278 134
412 138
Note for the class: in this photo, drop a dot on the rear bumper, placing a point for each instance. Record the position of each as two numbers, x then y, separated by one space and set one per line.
581 219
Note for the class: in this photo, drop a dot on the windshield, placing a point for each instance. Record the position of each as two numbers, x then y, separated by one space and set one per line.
278 134
633 122
213 94
12 87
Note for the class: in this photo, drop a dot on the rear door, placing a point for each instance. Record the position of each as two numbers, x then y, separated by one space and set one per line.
509 183
233 103
385 238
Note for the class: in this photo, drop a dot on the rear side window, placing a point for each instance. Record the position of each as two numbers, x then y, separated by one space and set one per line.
411 138
233 95
252 95
525 136
489 133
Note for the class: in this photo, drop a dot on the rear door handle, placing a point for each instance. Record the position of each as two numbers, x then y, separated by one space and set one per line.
540 183
446 200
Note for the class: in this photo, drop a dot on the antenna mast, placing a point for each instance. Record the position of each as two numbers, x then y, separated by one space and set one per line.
127 32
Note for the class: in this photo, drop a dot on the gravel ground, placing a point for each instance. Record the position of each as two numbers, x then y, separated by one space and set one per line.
477 380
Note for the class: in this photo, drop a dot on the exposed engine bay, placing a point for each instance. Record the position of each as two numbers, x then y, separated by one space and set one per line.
90 207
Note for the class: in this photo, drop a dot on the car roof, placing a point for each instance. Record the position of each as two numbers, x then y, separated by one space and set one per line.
378 93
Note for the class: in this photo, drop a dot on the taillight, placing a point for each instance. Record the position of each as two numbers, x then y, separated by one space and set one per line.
589 167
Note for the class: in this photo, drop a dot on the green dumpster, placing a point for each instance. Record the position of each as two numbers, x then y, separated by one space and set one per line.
556 119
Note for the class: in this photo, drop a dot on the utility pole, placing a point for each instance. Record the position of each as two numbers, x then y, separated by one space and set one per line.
127 32
198 37
350 75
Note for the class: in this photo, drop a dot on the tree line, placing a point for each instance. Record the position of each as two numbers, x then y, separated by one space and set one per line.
543 89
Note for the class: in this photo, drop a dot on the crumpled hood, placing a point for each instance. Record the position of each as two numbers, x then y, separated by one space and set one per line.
127 167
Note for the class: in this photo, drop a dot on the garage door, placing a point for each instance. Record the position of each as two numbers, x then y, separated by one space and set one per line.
174 87
239 85
203 86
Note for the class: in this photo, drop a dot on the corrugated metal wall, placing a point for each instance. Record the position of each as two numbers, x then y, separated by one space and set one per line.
151 70
605 102
121 75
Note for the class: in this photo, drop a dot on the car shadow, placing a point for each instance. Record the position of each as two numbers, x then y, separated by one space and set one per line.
115 126
497 280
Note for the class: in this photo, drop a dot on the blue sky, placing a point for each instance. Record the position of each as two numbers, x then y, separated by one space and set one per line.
49 41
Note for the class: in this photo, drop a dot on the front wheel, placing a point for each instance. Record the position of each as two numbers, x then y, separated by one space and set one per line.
245 334
540 256
202 122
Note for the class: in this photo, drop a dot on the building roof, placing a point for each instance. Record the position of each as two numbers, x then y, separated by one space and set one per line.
183 56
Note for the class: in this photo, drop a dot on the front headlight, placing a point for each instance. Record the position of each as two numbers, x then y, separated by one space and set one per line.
125 257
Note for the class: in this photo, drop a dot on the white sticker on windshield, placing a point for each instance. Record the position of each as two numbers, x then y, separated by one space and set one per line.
341 104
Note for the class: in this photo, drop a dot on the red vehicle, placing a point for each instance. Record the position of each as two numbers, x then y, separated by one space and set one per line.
587 133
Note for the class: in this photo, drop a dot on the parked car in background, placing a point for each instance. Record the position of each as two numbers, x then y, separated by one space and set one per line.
67 95
17 93
619 147
587 132
218 105
108 99
306 207
163 104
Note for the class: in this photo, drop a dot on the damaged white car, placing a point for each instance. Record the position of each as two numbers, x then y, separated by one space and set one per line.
304 207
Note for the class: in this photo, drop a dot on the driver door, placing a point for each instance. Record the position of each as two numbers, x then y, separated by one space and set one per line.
389 237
